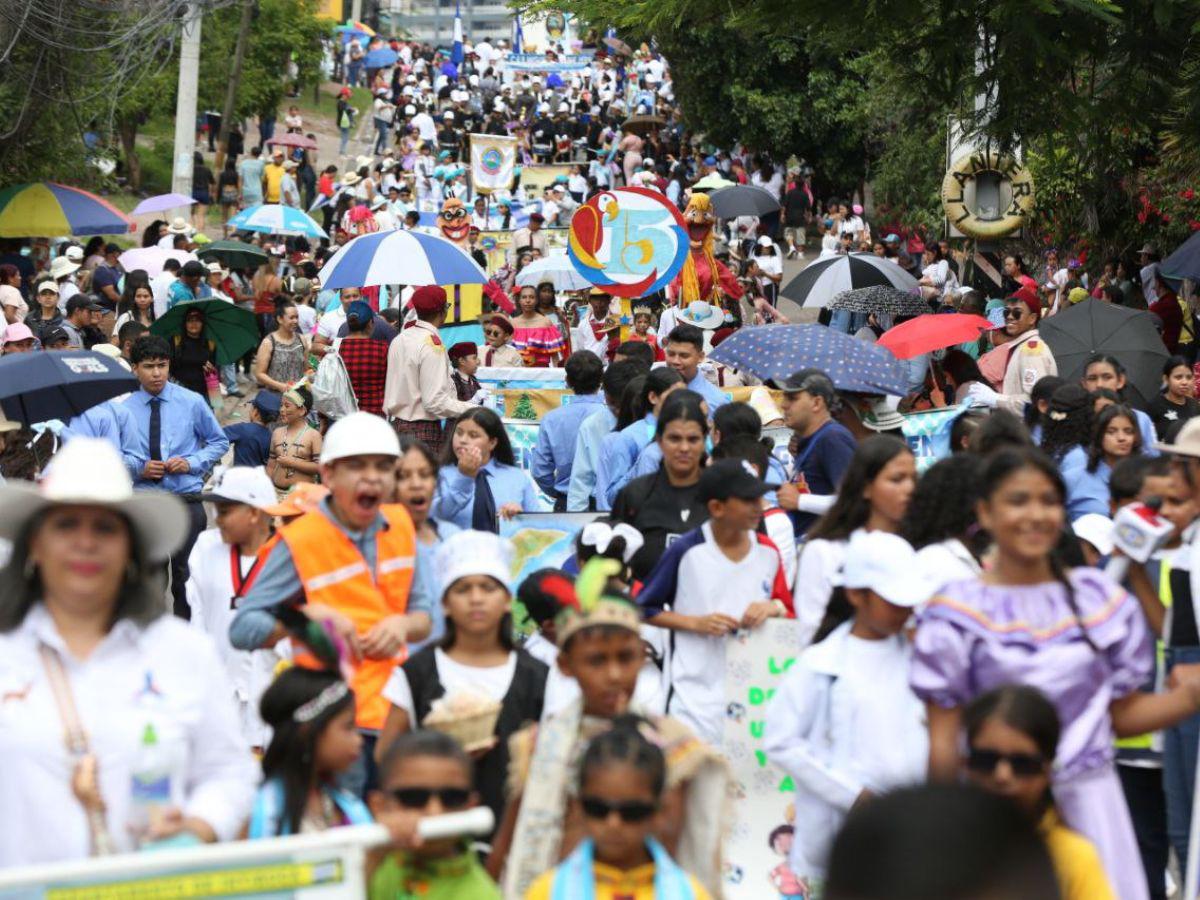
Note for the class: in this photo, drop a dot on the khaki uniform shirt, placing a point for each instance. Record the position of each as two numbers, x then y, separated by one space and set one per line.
419 387
1029 361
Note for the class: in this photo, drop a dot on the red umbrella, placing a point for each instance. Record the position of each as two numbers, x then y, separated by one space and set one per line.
933 332
291 139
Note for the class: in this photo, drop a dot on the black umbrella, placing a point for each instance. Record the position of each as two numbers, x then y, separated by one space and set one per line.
234 254
824 279
52 384
1185 261
883 299
644 123
1093 326
743 200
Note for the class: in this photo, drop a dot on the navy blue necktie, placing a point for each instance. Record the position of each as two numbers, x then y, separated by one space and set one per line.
483 513
155 436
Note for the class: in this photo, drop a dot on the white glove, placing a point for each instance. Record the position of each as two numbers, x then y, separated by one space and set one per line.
979 394
481 397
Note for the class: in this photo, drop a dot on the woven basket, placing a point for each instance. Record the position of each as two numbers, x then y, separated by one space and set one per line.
474 732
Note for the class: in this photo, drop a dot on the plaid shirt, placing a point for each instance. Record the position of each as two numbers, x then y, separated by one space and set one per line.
366 364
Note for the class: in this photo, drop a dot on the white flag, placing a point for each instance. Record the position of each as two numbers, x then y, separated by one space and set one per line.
493 158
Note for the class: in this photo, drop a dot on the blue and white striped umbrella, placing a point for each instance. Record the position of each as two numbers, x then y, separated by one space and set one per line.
275 218
400 257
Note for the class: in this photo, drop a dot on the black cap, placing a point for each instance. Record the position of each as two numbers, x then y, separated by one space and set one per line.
727 478
55 336
112 248
82 301
810 381
193 268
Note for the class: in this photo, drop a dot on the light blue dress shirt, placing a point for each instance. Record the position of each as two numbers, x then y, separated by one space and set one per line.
1087 492
712 394
110 421
188 430
278 584
618 457
587 458
554 453
455 498
430 587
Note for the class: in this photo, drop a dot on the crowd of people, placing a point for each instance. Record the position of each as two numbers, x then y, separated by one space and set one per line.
336 570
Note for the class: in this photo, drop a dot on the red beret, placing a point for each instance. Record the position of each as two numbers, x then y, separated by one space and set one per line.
428 299
1029 297
464 348
500 320
719 335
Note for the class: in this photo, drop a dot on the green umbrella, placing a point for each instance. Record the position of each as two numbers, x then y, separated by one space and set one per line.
234 254
230 327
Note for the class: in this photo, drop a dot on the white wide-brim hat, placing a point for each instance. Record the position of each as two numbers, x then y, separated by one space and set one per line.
703 314
88 472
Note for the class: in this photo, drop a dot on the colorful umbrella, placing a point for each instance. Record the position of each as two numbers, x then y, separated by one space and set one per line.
824 279
230 327
162 202
37 387
234 254
49 209
743 200
881 299
274 218
151 259
777 351
380 58
933 332
292 139
400 257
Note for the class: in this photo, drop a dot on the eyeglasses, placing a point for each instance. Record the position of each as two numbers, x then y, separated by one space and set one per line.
1014 312
418 798
630 813
1023 765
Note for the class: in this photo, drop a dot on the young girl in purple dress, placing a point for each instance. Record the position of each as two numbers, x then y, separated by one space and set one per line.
1074 635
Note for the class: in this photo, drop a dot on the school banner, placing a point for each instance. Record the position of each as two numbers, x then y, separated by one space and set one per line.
493 159
535 179
760 834
542 540
928 433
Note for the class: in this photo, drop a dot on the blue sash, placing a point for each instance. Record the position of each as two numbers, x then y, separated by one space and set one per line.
575 880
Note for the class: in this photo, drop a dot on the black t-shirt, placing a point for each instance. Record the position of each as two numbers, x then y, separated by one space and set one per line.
795 206
1183 616
660 511
1166 414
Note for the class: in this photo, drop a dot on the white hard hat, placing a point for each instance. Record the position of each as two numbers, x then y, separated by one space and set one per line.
498 105
564 108
543 107
359 434
410 110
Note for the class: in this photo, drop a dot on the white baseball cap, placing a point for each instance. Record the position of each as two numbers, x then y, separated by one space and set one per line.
474 553
359 434
1097 530
886 564
241 484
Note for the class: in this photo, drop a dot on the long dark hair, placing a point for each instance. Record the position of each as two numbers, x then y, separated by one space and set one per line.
682 406
1108 360
409 442
492 427
1068 423
450 632
291 754
1116 411
851 509
631 403
1022 708
134 280
1001 466
943 504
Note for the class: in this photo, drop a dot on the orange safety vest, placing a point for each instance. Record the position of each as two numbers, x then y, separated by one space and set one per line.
335 574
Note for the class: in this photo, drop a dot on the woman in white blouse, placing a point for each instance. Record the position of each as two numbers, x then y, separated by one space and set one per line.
98 683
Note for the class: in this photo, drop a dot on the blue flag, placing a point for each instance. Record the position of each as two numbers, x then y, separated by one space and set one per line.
456 52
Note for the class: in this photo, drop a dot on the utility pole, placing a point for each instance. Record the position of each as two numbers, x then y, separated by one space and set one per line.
235 78
356 10
185 104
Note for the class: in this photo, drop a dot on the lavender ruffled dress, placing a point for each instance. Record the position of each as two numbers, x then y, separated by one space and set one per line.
974 637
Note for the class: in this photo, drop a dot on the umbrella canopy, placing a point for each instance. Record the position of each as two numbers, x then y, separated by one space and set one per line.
37 387
48 209
231 328
882 299
927 333
274 218
151 259
643 124
777 351
824 279
162 202
618 46
558 270
1093 326
400 257
1185 261
291 139
380 58
233 254
711 182
743 200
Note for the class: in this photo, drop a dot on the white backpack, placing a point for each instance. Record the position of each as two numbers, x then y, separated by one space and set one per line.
333 395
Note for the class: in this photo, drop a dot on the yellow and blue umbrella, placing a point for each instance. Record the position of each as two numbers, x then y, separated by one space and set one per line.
48 209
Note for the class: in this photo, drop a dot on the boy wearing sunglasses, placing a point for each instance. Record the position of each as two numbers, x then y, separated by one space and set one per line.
1027 358
426 773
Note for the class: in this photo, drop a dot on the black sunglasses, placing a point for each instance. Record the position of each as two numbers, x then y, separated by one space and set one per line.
418 798
1023 765
630 813
1014 312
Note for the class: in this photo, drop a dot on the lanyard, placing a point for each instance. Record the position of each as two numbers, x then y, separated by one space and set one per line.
241 583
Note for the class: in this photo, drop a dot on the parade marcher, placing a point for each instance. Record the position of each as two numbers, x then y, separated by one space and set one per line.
464 363
1104 372
419 391
600 423
554 453
251 440
223 563
535 335
499 351
100 671
1027 356
365 358
1177 403
351 564
633 436
295 444
598 330
685 351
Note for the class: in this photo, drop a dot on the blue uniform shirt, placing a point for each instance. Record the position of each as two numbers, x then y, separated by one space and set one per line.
188 430
554 453
618 456
587 458
712 394
455 498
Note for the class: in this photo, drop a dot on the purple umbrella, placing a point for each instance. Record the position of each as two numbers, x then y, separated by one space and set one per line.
162 202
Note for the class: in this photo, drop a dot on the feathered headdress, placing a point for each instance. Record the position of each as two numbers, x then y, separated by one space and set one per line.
594 604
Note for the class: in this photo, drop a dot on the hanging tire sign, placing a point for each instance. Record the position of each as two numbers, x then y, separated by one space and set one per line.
1013 176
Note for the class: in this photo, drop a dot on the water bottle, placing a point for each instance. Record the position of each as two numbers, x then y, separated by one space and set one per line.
150 784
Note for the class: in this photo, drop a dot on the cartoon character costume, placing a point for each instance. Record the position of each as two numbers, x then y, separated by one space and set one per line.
466 300
702 277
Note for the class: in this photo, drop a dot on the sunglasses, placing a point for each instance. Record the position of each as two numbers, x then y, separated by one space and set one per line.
1014 312
630 813
1023 765
418 798
493 332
